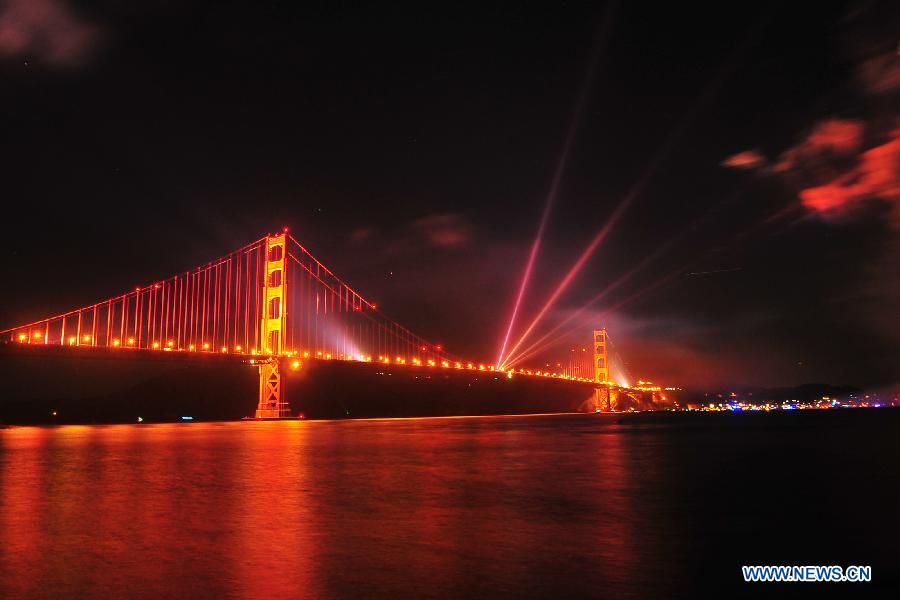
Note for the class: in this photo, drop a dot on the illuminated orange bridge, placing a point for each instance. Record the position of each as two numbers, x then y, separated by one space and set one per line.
270 304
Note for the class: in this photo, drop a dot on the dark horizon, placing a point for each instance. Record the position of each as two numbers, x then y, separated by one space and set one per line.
413 151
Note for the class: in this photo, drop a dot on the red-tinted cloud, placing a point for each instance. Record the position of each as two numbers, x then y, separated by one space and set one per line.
840 164
875 174
749 159
831 139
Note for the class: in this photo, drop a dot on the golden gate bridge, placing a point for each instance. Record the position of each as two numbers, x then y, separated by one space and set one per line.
273 305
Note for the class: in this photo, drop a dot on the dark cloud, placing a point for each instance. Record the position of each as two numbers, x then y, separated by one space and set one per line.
437 232
880 75
444 231
46 31
360 235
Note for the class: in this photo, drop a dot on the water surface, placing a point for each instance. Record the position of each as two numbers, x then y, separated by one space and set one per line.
553 506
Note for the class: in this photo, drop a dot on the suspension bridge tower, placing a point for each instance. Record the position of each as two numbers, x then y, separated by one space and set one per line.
272 402
605 396
601 356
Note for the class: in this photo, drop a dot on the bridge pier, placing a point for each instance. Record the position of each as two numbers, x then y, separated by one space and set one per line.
606 399
272 402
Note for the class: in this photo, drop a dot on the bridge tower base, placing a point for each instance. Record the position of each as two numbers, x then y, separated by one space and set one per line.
606 398
272 404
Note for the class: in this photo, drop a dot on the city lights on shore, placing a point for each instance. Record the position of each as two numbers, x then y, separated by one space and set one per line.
823 403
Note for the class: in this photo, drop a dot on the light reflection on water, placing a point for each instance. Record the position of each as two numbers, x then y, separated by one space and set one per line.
551 506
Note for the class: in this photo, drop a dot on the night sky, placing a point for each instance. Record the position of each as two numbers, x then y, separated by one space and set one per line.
412 150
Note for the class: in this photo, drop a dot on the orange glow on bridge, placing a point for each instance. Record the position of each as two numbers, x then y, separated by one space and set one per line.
271 296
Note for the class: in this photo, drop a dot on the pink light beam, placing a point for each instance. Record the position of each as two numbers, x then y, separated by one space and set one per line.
658 158
556 181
